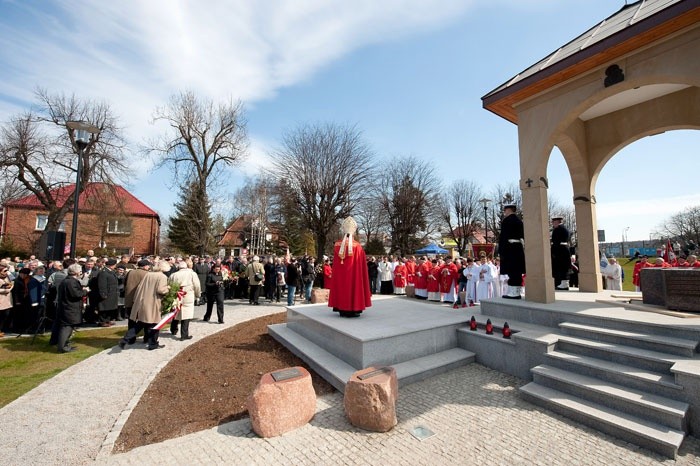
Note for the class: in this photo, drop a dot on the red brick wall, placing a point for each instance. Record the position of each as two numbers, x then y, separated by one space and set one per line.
19 227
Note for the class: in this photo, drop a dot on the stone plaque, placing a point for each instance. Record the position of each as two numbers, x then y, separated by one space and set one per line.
286 374
422 432
683 289
653 286
374 373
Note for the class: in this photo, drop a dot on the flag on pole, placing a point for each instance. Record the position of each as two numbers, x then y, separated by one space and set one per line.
669 256
603 262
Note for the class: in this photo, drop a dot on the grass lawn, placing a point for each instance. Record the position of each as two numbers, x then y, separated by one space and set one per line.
628 269
24 366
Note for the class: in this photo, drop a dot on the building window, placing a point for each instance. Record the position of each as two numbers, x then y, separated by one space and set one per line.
42 220
122 226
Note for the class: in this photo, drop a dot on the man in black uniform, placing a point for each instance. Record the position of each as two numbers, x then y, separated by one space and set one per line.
561 259
511 248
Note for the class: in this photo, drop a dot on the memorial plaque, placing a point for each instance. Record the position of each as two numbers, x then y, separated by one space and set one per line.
683 289
374 373
286 374
653 286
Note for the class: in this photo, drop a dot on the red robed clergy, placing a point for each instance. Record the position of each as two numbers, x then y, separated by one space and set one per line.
350 293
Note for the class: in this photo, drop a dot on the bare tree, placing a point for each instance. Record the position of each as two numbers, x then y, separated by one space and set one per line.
682 226
459 211
203 138
40 151
408 192
502 195
371 218
325 169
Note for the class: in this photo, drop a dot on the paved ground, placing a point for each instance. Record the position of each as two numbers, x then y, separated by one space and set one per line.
475 412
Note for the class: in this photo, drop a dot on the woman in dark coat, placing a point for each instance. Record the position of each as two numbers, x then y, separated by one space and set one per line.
69 307
215 294
108 291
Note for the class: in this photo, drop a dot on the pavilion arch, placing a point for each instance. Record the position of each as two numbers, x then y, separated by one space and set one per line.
634 75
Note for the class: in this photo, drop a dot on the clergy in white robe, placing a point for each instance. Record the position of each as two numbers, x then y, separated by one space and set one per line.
484 285
613 275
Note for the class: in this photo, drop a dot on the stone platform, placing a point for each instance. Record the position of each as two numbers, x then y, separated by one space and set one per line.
418 339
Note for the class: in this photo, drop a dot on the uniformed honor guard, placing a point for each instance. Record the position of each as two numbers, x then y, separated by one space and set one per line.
511 248
561 258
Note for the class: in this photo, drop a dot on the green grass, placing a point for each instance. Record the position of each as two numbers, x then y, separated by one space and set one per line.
629 269
24 366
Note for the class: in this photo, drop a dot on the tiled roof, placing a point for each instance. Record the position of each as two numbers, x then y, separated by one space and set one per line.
128 201
626 18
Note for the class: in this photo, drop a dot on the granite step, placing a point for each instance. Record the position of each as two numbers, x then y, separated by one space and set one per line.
633 429
615 352
655 408
657 383
665 344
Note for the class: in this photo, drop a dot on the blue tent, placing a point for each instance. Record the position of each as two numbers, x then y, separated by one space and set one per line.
432 248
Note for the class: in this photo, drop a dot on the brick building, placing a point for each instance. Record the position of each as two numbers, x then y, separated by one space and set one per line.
242 238
110 219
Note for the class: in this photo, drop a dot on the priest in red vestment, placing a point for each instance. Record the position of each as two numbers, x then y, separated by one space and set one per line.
411 270
350 293
400 276
422 273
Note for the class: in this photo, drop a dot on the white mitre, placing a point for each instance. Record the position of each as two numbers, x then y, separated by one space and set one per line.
348 228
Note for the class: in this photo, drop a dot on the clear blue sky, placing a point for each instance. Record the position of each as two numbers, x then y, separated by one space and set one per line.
409 74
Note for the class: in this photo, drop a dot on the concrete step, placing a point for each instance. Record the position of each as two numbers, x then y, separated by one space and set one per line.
655 408
657 383
630 428
337 372
623 354
665 344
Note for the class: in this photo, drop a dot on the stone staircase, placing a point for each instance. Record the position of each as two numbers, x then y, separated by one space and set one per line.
618 381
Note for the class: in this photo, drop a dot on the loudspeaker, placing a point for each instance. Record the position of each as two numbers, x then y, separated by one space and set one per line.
52 244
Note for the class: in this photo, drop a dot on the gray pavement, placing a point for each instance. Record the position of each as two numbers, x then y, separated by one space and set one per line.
476 414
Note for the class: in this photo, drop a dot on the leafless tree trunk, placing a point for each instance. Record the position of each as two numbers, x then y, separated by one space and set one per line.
326 168
408 195
683 226
459 210
371 218
203 138
39 149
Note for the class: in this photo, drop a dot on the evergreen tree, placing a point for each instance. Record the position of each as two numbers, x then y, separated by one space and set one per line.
193 215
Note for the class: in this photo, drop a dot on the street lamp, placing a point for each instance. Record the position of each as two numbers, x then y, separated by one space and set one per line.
83 132
624 239
485 202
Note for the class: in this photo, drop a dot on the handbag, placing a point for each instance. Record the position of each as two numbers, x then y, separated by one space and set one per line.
259 276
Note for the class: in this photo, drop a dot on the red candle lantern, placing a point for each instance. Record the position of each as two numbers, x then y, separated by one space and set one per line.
472 324
489 327
506 331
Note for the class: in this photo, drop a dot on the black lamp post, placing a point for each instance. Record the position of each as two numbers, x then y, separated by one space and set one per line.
83 132
485 202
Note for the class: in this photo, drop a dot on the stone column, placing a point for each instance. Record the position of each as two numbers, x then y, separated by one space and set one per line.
589 277
539 284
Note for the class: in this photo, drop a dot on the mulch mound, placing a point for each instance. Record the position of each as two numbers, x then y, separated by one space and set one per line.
207 384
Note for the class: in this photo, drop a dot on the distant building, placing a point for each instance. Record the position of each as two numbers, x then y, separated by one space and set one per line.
110 218
242 238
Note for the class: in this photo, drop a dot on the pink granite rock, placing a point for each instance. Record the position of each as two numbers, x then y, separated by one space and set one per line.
370 403
276 407
319 295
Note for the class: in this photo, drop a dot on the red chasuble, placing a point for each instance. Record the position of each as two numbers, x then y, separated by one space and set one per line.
350 285
448 273
327 276
411 271
434 280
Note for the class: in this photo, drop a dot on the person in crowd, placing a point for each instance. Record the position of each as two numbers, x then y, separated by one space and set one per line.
573 275
421 280
90 279
693 261
69 307
636 272
561 259
385 277
270 282
434 281
256 275
485 275
410 264
471 271
37 299
53 282
121 271
448 282
461 282
350 294
131 283
496 279
215 294
280 282
511 247
202 270
5 299
308 275
242 288
328 274
292 278
107 294
373 274
146 308
613 275
659 262
125 261
21 306
189 281
400 277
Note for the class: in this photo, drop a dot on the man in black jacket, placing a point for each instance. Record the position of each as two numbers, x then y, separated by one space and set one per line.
108 294
69 307
561 258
